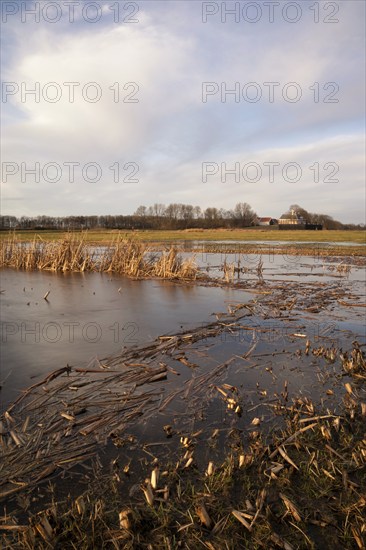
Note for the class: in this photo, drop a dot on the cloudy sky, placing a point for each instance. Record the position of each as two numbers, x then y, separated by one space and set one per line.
131 105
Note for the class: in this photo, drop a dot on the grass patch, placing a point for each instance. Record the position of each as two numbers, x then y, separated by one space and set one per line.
249 234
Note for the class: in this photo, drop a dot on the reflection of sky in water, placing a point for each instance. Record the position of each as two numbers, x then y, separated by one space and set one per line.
267 243
279 266
90 315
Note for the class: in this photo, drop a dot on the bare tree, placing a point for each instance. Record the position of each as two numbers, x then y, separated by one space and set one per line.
158 210
197 212
244 214
211 214
141 211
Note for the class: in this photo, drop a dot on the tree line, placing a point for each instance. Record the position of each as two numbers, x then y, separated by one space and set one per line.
160 216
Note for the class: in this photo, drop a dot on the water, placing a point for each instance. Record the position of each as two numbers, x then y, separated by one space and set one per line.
276 242
284 267
89 315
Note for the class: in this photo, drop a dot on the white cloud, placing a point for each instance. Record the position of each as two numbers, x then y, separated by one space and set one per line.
170 132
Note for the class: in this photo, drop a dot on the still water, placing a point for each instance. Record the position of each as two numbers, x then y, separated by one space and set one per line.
88 315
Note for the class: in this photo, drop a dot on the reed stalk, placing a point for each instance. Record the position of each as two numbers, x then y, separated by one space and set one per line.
72 254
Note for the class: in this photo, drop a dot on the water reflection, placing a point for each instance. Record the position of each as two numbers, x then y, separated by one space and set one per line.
89 315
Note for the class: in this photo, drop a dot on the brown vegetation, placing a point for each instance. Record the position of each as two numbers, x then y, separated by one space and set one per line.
125 256
274 471
299 487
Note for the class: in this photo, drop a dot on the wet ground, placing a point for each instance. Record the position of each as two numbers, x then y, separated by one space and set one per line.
268 334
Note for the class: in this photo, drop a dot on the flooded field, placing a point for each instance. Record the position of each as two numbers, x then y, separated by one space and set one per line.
89 315
128 376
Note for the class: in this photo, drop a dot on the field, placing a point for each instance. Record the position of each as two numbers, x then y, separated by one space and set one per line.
255 234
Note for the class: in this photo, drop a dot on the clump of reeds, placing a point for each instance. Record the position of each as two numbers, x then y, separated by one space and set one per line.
355 362
125 256
229 270
171 265
68 254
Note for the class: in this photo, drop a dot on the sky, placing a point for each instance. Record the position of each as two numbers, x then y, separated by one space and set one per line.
107 106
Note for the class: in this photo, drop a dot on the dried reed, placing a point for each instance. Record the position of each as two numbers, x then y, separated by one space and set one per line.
125 256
